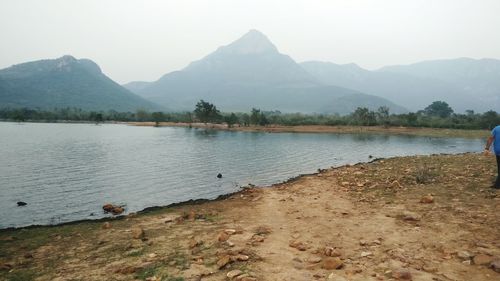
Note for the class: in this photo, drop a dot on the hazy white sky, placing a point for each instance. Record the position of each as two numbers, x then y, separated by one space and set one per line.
142 40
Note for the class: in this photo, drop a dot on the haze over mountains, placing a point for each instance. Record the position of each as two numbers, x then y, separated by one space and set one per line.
251 72
464 83
65 82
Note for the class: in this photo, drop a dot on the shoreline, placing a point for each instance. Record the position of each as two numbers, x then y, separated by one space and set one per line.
409 131
198 201
361 222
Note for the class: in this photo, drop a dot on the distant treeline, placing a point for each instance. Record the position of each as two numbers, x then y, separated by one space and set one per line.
437 115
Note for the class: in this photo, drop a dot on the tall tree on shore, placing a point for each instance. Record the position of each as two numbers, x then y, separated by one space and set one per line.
439 109
207 112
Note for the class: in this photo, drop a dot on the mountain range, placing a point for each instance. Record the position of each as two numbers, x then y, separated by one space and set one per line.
251 72
466 84
65 82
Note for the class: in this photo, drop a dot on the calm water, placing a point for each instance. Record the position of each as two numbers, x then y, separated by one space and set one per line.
66 172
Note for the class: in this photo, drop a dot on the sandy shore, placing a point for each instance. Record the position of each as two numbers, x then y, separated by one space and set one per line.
428 218
430 132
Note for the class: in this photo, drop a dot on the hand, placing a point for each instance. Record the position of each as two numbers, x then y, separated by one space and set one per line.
486 152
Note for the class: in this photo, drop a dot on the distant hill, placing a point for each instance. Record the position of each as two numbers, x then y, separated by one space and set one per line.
65 82
250 72
463 83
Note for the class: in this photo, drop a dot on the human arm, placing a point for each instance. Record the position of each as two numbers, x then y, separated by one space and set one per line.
488 143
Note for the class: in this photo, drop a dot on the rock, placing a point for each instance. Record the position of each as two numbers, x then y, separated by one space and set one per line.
230 231
219 175
223 236
108 207
298 245
314 260
193 243
410 216
223 261
117 210
464 255
138 233
242 257
495 265
363 242
366 254
334 277
6 266
427 199
482 259
126 269
21 203
332 263
229 243
106 225
233 273
263 230
402 274
28 255
332 252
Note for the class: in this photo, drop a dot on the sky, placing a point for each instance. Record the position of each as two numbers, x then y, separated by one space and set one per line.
141 40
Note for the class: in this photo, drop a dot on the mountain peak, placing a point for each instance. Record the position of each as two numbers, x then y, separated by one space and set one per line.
253 42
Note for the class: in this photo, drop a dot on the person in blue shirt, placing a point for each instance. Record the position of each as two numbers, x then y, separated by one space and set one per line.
495 140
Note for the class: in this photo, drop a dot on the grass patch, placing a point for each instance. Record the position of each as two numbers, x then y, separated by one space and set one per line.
19 275
425 174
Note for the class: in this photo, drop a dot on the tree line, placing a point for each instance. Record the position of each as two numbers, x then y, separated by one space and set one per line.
437 115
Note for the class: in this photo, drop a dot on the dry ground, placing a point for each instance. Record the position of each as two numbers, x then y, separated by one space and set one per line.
365 220
428 132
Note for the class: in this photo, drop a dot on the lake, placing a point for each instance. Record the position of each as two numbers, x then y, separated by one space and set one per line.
66 172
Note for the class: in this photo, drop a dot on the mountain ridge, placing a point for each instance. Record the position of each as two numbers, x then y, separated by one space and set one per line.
65 82
251 72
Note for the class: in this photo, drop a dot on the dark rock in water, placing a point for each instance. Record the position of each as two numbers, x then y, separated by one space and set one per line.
21 203
219 175
114 209
370 156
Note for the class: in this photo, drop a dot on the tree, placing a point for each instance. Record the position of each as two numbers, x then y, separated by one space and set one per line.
255 116
383 115
363 116
207 112
231 120
439 109
263 120
158 117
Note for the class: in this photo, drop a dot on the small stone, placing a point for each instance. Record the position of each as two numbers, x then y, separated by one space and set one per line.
193 243
314 260
28 255
298 245
152 255
410 216
223 261
242 257
363 242
464 255
263 230
495 265
230 231
138 233
334 277
366 254
332 252
21 203
223 236
402 274
233 273
107 207
482 259
332 263
106 225
229 243
427 199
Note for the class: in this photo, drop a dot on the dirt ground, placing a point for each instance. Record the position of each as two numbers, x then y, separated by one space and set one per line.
416 218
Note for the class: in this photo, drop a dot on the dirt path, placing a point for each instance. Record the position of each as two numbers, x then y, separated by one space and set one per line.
363 222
